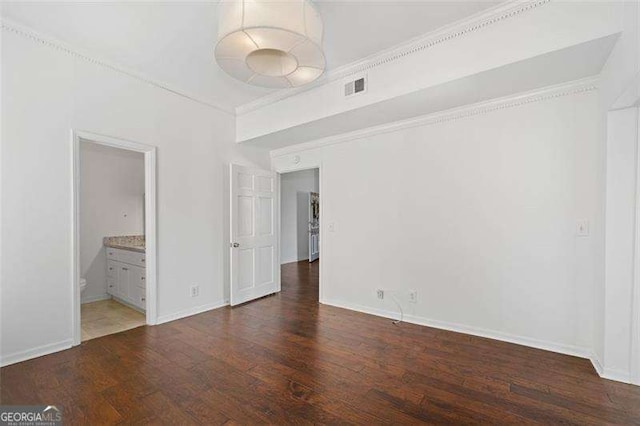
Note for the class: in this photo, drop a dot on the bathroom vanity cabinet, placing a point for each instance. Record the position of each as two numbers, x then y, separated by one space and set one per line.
126 276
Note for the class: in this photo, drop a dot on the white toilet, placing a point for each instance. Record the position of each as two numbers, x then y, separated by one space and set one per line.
83 284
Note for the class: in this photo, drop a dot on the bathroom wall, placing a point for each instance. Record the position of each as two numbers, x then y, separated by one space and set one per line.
111 203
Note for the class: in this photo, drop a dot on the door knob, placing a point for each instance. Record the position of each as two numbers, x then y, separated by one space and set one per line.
235 245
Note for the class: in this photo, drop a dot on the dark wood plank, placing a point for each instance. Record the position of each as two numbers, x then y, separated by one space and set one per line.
286 359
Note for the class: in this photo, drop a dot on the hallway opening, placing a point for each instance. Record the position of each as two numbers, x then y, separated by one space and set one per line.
300 281
300 232
299 216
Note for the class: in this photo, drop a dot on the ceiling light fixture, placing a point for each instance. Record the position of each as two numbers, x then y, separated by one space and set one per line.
270 43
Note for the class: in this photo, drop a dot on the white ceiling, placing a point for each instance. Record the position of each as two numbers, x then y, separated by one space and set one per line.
172 42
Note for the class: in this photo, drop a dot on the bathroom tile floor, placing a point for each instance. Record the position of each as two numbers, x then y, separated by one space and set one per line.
108 317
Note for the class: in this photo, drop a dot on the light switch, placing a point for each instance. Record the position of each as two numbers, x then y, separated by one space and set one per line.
582 228
331 227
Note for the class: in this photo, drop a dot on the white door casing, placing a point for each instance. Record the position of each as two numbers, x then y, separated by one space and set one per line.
314 226
254 243
635 302
287 164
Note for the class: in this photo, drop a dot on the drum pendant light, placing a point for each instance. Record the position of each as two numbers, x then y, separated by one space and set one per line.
270 43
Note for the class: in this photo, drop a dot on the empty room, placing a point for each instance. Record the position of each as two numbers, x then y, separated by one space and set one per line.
320 212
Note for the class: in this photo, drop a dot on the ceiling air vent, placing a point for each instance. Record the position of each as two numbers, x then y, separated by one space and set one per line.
354 87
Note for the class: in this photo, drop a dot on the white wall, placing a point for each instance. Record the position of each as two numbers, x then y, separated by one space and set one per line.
294 213
624 62
619 75
620 227
46 92
111 203
478 214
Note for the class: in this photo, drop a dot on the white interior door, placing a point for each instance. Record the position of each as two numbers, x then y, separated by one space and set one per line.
314 226
254 260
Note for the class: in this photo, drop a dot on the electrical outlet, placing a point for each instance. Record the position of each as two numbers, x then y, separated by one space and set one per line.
413 296
582 228
380 294
195 290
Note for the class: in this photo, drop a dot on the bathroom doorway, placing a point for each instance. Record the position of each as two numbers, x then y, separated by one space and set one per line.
114 236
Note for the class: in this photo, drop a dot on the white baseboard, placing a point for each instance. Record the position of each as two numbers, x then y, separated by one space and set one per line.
35 352
461 328
191 311
597 364
610 373
67 344
617 375
96 298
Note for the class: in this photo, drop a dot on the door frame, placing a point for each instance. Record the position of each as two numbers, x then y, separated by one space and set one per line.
635 295
298 168
149 152
630 98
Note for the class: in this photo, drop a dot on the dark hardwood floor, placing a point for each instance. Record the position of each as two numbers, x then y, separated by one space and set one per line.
286 359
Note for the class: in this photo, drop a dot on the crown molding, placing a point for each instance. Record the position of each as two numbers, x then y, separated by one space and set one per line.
551 92
463 27
28 33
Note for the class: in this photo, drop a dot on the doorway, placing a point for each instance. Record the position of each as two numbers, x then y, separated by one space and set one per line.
300 243
255 236
114 235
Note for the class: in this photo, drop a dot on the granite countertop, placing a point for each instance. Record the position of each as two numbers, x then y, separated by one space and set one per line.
126 242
